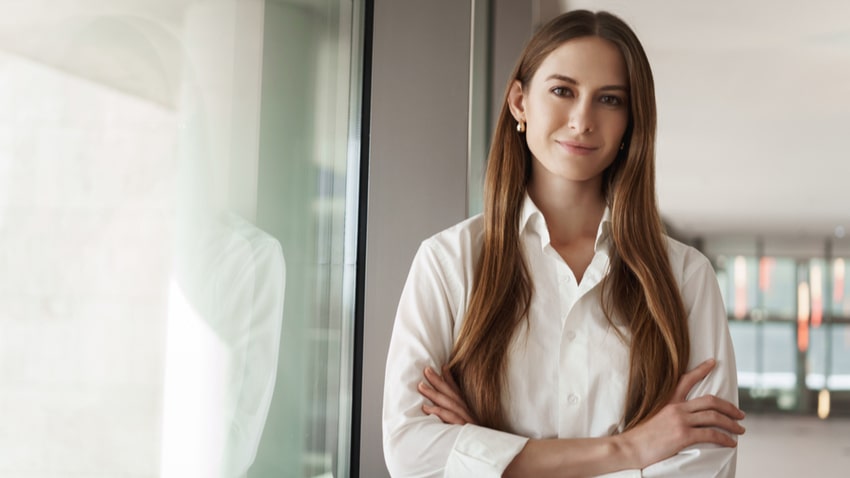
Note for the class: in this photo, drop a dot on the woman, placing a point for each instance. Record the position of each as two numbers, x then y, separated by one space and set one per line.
564 321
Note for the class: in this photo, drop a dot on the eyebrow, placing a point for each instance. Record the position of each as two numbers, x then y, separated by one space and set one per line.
572 81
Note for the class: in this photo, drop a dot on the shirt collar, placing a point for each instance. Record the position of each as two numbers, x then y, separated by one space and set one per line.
532 220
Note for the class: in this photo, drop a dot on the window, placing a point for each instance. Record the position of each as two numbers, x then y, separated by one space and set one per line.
178 221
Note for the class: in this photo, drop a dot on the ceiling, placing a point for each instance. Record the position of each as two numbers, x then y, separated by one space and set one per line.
754 112
753 95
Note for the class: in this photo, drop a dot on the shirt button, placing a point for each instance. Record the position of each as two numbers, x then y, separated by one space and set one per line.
572 399
571 335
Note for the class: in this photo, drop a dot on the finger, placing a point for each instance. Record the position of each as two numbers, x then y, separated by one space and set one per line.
712 418
441 385
691 378
711 435
445 402
446 416
712 402
450 379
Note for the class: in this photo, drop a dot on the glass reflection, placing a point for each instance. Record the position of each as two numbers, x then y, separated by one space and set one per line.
157 162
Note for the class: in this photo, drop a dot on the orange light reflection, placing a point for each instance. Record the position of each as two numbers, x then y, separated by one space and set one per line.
817 295
803 316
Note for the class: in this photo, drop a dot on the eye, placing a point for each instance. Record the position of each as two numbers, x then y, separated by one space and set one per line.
611 100
561 91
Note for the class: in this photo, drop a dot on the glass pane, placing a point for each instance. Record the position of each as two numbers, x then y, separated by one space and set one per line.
840 288
817 301
746 352
829 358
740 284
839 377
779 356
765 354
304 195
778 283
818 358
177 218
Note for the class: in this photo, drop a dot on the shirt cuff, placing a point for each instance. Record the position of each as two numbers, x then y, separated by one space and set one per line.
482 452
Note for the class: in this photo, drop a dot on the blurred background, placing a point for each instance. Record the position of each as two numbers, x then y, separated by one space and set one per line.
208 209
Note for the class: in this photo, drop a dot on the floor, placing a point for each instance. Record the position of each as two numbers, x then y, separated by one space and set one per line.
791 446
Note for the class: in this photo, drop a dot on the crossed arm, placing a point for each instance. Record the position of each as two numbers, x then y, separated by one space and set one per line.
433 443
680 424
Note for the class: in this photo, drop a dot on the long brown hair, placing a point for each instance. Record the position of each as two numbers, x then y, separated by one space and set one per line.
639 289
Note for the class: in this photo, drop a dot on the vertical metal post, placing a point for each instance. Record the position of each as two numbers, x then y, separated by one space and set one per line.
827 312
479 103
802 355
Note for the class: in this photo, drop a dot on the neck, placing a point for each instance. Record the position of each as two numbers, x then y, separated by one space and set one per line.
572 209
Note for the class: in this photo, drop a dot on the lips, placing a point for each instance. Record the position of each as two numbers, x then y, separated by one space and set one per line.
575 147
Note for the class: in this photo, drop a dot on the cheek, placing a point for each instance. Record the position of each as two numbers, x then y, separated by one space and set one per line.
621 121
542 111
541 126
534 138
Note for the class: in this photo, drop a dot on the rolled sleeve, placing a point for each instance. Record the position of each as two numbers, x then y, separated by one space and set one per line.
710 338
482 452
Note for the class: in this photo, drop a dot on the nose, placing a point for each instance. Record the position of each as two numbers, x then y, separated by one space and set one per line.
581 117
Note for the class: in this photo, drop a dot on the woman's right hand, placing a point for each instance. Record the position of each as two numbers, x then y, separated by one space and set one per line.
682 423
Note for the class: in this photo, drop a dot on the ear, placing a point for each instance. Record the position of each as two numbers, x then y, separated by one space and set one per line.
516 101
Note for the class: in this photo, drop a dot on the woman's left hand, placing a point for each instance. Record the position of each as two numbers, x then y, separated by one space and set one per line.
446 397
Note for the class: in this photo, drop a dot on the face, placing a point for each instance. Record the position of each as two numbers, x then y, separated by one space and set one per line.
575 109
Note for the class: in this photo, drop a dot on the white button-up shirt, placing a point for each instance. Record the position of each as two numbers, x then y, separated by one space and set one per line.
567 371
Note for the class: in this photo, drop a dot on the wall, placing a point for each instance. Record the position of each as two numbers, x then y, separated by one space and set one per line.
417 168
418 156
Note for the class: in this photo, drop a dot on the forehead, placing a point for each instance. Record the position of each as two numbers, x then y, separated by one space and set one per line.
591 61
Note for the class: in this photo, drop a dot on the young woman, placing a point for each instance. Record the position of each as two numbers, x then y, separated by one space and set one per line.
573 337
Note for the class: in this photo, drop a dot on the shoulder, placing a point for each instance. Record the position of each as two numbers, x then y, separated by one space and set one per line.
458 244
446 262
449 257
686 261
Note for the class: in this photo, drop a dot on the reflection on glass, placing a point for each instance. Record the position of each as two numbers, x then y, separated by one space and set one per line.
770 365
740 307
823 404
839 377
739 280
790 322
817 365
803 308
829 360
778 281
157 161
222 351
816 277
840 289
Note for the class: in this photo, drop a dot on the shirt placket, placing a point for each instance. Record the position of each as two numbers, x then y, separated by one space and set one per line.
572 376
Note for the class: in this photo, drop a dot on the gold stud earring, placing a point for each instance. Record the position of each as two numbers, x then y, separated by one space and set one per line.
520 126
